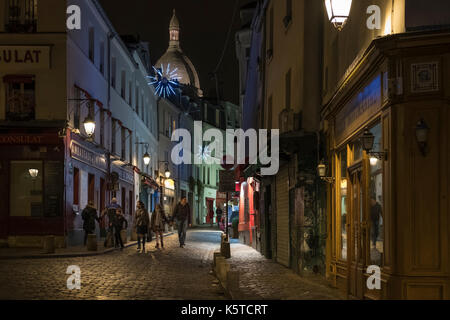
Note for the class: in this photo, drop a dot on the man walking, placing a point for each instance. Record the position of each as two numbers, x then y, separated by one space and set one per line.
89 216
182 217
110 212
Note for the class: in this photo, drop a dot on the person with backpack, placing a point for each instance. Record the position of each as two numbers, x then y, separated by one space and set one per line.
89 215
142 222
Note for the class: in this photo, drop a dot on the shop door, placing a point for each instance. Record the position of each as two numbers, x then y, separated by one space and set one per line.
356 251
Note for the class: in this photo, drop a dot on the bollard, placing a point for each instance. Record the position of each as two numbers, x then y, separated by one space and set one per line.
233 283
226 250
91 242
220 261
216 254
49 244
124 236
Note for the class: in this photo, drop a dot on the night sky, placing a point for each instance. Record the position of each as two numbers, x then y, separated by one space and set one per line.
204 27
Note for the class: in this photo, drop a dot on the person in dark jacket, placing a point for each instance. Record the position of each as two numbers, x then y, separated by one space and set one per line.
142 222
219 213
182 217
110 213
120 223
375 213
89 216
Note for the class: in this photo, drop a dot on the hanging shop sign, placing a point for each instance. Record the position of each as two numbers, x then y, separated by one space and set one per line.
360 109
36 57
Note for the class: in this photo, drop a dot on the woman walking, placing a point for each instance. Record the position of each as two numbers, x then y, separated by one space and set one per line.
142 222
158 220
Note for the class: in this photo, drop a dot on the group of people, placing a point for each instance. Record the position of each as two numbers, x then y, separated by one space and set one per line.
143 224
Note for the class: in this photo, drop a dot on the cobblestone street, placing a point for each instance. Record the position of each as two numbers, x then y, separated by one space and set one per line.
172 273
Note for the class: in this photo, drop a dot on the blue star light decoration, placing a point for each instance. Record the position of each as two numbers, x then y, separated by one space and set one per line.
164 81
204 153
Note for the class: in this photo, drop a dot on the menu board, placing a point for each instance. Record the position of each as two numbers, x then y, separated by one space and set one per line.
53 175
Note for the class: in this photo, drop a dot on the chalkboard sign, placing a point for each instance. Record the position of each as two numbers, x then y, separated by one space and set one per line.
54 187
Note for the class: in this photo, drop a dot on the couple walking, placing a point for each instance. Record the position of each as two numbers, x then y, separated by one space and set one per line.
156 224
115 220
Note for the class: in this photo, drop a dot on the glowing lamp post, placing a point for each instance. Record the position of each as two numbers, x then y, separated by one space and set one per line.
147 159
338 12
167 173
89 126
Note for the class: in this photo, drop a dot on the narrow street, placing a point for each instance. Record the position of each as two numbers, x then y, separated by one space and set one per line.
172 273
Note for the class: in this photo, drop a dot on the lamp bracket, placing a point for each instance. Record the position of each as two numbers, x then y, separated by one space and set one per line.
379 155
330 180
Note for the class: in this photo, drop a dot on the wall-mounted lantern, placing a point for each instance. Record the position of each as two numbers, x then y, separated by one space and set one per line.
89 126
367 141
322 171
147 159
422 131
33 173
338 12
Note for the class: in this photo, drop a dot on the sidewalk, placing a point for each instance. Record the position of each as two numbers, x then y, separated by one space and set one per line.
69 252
262 279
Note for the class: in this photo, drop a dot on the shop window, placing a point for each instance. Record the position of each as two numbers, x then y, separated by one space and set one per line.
376 203
26 197
20 97
22 16
343 203
357 151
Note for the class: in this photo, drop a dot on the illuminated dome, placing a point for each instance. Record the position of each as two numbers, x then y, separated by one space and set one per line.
175 57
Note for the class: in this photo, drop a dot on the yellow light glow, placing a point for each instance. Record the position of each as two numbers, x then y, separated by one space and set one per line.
388 25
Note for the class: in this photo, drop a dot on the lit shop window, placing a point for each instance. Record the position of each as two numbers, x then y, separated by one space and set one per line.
26 197
343 203
20 97
376 202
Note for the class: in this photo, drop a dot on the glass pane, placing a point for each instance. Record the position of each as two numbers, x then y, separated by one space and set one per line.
26 189
376 203
357 150
343 200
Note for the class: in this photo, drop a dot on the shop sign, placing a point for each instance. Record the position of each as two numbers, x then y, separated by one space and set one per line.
127 176
82 154
36 57
169 184
29 139
359 110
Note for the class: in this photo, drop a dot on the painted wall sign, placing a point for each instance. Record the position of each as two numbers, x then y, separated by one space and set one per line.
29 139
361 108
36 57
80 153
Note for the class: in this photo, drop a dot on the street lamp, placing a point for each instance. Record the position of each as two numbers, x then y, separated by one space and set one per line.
322 171
338 12
167 172
367 141
33 173
89 126
422 131
147 159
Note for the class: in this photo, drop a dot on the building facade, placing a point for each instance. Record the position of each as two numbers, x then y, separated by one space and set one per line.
387 205
96 76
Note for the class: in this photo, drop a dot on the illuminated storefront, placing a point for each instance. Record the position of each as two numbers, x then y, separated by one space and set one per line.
385 206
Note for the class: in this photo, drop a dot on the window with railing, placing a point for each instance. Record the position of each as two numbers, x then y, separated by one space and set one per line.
20 97
21 16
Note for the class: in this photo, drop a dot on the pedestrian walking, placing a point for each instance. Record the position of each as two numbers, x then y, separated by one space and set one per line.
141 224
110 213
89 215
211 216
182 217
159 218
219 213
119 226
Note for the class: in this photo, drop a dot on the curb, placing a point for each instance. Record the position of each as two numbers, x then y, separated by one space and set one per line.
72 255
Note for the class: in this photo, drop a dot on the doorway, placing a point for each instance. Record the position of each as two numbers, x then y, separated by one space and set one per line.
356 249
